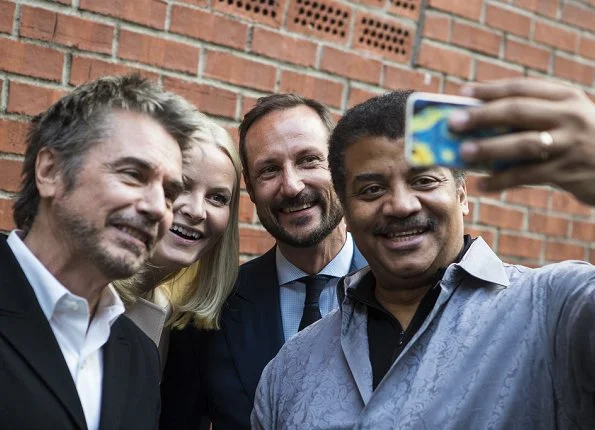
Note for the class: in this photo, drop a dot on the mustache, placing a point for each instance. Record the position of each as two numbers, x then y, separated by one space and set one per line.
137 222
306 196
414 222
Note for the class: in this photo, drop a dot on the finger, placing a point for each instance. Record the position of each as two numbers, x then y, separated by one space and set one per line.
526 145
530 174
519 113
519 87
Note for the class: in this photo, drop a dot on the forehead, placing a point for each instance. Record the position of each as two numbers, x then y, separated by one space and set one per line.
208 157
289 129
132 134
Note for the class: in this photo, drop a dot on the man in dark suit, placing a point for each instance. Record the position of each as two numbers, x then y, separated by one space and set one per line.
101 170
283 147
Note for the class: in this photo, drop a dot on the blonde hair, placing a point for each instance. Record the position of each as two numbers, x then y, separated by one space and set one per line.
198 292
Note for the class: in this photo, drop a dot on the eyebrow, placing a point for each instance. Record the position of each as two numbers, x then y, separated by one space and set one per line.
366 177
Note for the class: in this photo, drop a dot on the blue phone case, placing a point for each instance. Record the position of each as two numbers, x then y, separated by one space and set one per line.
429 141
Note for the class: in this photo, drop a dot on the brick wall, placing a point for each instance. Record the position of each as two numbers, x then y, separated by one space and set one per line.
224 54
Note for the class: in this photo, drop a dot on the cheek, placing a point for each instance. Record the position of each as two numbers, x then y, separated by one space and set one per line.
218 221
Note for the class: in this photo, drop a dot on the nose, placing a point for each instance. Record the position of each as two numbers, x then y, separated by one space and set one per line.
154 204
401 203
192 206
292 183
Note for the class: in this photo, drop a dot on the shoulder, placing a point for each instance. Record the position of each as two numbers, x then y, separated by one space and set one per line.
257 263
128 331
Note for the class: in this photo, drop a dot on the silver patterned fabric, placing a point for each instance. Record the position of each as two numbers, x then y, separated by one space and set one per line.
505 347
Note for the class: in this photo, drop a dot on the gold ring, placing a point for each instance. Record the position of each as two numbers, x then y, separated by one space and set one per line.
546 140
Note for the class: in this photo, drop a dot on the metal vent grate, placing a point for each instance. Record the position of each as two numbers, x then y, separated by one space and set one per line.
389 39
320 18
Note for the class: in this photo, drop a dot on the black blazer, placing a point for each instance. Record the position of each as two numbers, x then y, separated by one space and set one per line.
36 388
215 373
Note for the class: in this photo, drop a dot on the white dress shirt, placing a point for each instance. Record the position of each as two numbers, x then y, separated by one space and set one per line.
80 338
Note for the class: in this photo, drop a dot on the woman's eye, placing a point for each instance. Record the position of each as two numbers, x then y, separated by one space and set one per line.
220 199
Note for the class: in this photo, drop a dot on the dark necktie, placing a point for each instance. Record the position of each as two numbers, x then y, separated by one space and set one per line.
314 286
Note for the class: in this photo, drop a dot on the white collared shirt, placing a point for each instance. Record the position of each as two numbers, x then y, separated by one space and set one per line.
293 293
80 340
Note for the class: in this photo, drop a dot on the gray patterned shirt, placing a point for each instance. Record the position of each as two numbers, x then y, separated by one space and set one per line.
505 347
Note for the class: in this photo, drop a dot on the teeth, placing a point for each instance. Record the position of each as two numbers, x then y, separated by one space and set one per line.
296 208
133 232
185 232
404 233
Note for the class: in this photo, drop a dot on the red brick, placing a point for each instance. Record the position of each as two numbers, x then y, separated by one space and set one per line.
358 95
592 256
6 16
583 230
269 13
146 12
387 38
66 30
31 60
253 241
86 69
487 234
240 71
284 48
579 16
500 216
203 25
30 99
6 222
507 20
437 26
158 52
475 38
547 224
565 202
531 197
444 60
519 246
587 47
555 35
557 251
206 98
248 103
574 71
409 9
542 7
351 65
247 209
467 8
398 78
323 90
201 3
323 19
452 87
487 71
13 135
10 174
472 181
527 55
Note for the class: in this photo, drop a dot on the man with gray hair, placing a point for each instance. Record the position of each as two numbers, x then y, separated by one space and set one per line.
102 168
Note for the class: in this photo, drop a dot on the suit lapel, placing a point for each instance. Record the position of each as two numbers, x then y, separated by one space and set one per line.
116 365
24 326
252 324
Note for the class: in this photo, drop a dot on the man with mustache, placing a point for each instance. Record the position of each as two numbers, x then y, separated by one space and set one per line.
438 332
102 168
284 152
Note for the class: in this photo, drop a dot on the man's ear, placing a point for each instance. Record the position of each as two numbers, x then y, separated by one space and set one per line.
462 195
48 175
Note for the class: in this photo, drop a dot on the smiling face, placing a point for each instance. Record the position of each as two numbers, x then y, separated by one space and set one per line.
202 211
407 223
288 176
121 201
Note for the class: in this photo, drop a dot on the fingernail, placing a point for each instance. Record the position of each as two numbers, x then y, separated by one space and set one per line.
467 91
458 118
468 151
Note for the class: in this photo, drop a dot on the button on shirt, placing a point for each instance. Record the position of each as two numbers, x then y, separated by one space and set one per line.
68 315
292 293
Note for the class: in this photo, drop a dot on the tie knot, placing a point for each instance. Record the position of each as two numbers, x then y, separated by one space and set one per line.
314 286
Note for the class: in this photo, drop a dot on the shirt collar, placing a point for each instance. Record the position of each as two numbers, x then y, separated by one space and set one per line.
49 291
339 266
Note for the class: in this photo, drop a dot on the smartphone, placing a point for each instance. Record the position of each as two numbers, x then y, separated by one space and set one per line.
429 141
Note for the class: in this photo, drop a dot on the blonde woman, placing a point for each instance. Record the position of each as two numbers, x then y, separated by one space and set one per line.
195 264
